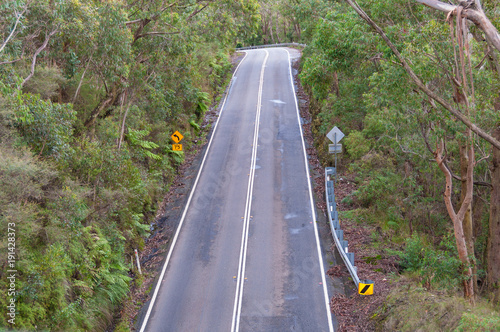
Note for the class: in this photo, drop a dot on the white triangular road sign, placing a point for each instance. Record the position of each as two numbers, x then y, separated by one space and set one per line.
335 135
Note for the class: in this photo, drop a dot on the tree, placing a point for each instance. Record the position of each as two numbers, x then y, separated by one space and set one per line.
472 11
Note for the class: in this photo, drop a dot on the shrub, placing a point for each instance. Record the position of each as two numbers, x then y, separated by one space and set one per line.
357 145
47 127
432 266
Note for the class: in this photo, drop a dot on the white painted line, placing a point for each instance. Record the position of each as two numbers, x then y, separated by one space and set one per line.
181 222
313 212
240 281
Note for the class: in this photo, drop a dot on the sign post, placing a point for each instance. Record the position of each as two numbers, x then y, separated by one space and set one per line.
335 135
335 143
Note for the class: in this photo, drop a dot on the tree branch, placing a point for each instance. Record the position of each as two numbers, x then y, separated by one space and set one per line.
155 33
13 29
196 12
7 62
154 17
472 12
444 7
38 51
456 113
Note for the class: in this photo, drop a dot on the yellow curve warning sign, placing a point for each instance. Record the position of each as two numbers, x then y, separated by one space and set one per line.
177 137
365 287
177 147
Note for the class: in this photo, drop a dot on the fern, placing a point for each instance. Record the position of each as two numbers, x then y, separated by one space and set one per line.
203 101
177 156
151 155
135 137
194 125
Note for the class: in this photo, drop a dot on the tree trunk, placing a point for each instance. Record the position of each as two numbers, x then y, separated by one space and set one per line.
264 32
297 30
35 56
106 102
277 29
284 32
271 29
493 248
81 81
336 84
467 223
457 218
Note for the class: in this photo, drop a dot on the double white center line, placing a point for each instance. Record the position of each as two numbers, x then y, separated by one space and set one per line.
240 280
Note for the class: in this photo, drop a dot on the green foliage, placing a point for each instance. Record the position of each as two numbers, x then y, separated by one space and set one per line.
355 82
434 267
202 103
177 156
194 125
356 145
135 137
46 126
45 82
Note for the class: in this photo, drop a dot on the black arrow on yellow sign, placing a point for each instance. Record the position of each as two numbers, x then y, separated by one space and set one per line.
365 287
177 137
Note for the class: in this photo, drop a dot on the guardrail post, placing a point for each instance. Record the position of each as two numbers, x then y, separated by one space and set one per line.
340 235
350 255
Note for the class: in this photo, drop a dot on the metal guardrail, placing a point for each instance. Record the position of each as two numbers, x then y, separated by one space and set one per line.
270 45
337 232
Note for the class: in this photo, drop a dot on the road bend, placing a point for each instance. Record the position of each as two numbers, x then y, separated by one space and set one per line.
246 255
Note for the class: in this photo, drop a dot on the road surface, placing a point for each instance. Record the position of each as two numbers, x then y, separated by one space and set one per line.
246 255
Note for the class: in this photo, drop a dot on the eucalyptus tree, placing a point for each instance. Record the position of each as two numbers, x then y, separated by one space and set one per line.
463 96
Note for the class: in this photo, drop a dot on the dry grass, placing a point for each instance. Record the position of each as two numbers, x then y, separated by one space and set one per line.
412 308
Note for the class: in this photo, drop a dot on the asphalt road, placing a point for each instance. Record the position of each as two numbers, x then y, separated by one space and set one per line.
246 256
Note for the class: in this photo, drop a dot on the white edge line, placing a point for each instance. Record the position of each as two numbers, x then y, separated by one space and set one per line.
322 269
174 241
248 206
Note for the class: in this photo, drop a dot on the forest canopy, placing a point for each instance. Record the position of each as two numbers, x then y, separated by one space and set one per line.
90 92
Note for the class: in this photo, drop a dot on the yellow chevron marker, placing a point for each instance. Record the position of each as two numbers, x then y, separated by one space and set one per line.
365 287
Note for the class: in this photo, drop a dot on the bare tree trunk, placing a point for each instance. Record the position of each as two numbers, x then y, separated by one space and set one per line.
336 85
277 30
467 223
106 102
297 31
284 31
457 218
493 248
122 131
264 32
81 80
